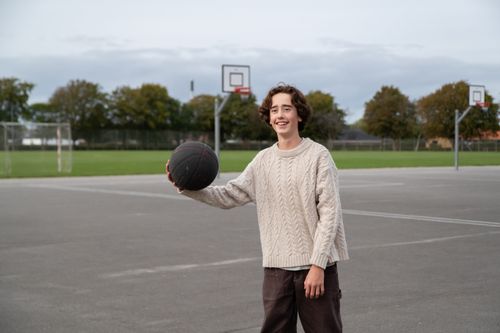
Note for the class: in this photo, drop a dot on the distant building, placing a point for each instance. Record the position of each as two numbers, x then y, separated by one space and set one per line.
489 136
445 143
439 143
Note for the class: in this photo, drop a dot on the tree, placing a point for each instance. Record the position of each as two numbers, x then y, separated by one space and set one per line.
240 120
198 114
359 124
82 104
42 113
14 95
327 120
146 107
257 129
390 114
437 113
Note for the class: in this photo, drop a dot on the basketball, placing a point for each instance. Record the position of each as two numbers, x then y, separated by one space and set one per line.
193 166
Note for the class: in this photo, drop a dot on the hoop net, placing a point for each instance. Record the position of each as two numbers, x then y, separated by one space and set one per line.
483 105
244 92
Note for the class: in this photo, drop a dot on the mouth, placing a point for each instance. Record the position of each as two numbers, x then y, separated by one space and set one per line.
281 123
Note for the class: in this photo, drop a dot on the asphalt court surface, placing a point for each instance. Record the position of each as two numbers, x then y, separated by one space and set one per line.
129 254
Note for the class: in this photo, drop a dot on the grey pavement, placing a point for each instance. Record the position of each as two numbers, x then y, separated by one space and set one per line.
129 254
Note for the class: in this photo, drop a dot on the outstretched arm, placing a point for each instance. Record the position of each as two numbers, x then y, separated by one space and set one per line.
236 192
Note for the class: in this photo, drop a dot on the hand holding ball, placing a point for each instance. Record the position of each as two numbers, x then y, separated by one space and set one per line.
193 166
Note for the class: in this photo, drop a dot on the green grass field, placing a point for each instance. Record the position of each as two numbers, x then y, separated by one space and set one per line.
94 163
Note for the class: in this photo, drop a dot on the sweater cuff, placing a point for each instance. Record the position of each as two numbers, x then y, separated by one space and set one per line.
319 260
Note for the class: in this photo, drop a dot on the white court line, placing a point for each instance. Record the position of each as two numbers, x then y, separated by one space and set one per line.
114 182
91 181
371 185
128 193
421 218
345 211
97 180
423 241
177 268
66 186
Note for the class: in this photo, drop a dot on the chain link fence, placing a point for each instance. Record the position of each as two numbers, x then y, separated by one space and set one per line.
137 139
168 140
411 145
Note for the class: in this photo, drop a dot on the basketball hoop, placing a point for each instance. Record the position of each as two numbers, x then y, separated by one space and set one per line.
244 92
484 105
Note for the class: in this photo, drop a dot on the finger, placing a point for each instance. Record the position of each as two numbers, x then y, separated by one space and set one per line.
307 291
317 293
168 172
312 292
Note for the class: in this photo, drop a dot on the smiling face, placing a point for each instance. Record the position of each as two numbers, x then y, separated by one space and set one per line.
283 116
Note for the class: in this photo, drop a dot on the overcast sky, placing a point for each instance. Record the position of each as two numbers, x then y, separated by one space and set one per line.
346 48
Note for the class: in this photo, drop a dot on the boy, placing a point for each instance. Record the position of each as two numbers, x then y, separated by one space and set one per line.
294 185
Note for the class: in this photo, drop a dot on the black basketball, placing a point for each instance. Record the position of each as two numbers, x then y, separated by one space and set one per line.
193 166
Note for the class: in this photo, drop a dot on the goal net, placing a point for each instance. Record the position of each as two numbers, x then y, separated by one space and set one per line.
35 149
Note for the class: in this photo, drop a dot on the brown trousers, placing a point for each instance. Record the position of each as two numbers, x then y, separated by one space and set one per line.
284 296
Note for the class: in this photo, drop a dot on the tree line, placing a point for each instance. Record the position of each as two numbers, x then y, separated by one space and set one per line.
150 107
391 114
388 114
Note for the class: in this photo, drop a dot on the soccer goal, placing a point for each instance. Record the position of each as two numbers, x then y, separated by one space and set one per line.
35 149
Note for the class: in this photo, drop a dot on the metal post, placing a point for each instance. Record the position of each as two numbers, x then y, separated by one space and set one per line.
217 110
70 143
217 128
59 148
7 161
456 140
458 119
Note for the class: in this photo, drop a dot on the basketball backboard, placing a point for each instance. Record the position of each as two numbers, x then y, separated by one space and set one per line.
235 77
476 95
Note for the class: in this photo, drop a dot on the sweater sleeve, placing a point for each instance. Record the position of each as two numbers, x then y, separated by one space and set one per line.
236 192
329 210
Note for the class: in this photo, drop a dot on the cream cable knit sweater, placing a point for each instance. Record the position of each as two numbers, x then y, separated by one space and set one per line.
298 207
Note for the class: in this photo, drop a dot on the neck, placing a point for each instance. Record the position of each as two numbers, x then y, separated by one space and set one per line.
289 143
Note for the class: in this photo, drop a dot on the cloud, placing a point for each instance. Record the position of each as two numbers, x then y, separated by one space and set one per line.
93 42
351 73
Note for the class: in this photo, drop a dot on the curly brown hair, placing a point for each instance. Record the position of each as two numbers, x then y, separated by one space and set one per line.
298 100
